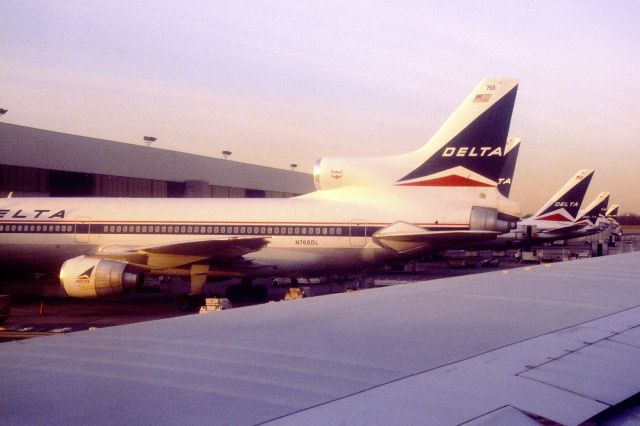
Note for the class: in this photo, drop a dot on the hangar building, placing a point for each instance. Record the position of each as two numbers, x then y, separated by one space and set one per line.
35 162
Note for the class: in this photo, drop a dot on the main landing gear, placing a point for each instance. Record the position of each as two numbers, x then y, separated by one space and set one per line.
189 302
246 292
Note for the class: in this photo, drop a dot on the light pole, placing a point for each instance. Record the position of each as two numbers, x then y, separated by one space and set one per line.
293 166
225 154
149 140
3 111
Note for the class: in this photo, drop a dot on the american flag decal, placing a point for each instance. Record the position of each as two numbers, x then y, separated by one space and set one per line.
482 98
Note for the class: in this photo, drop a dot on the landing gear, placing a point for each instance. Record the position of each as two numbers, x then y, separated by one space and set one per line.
189 303
246 293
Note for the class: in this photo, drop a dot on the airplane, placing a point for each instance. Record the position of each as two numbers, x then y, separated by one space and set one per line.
593 217
554 221
616 228
365 211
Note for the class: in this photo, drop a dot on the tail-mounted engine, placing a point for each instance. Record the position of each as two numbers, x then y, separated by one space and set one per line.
89 277
488 219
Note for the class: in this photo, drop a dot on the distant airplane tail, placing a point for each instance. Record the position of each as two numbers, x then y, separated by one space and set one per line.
511 150
613 211
564 205
595 209
468 150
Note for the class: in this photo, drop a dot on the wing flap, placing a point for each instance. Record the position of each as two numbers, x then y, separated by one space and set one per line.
182 253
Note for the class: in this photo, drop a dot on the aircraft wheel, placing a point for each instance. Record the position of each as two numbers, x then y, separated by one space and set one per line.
239 293
189 303
259 294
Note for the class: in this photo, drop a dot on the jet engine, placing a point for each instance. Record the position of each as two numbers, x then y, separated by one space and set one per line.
90 277
488 219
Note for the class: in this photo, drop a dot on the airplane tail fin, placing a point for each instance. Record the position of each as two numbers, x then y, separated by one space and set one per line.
596 208
468 150
505 180
613 211
564 205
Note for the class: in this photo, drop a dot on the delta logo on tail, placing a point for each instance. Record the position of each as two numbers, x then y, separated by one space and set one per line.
474 156
596 209
565 204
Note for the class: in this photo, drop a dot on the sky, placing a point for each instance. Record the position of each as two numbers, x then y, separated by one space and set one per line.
279 82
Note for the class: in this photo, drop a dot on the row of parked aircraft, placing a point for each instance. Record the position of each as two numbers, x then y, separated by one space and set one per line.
451 193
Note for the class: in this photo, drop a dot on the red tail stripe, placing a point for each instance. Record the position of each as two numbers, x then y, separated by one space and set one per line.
452 180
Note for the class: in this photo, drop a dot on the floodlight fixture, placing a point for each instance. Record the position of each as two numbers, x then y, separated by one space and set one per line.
149 140
225 154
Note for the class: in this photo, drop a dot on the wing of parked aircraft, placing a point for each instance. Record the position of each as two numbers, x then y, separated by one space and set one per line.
182 253
555 343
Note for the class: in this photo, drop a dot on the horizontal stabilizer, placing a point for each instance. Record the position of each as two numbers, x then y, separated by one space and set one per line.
564 229
403 237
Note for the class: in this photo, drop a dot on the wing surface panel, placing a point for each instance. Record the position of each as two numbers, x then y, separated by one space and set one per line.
442 351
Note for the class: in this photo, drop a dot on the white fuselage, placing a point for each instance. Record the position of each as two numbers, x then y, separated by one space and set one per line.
325 230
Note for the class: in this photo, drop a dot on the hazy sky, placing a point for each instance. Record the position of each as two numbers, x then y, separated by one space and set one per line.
280 82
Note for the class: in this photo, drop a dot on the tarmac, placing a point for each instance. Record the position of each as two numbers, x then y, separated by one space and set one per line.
33 316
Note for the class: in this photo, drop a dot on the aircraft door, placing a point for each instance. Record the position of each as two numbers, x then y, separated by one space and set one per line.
82 230
358 233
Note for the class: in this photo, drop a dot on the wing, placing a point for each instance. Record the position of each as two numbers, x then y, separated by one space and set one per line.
172 255
404 238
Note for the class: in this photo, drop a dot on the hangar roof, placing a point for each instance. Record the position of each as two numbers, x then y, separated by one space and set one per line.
30 147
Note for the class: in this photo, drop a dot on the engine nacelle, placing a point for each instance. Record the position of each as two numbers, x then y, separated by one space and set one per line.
89 277
488 219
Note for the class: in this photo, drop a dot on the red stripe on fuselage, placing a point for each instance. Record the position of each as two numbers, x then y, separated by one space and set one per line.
452 180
